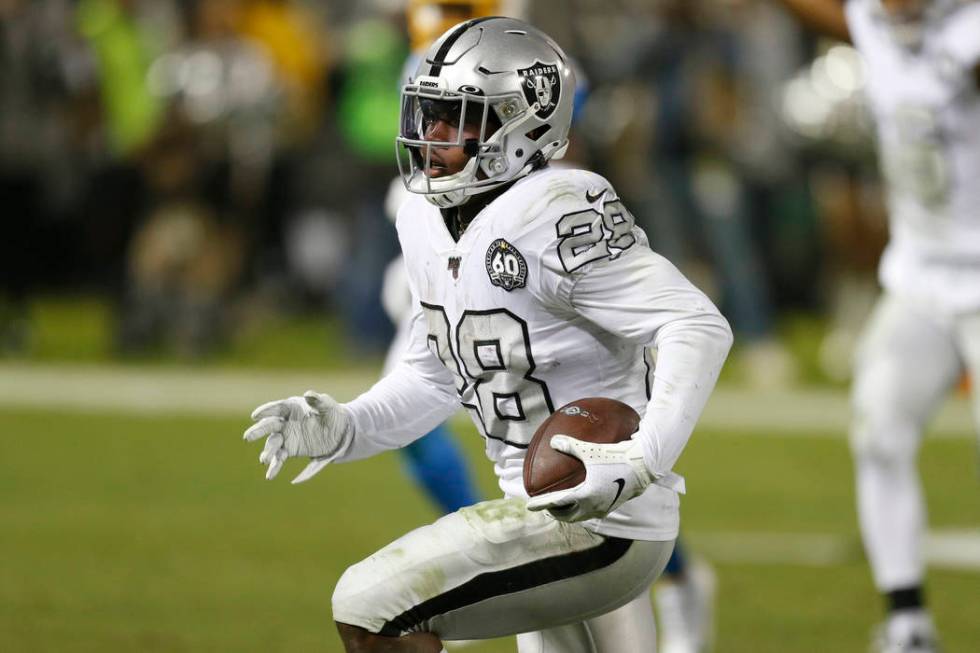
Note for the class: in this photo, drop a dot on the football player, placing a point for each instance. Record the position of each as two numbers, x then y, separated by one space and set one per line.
531 287
685 596
922 63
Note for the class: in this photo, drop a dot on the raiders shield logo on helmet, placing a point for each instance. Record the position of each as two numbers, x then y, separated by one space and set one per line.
506 266
542 86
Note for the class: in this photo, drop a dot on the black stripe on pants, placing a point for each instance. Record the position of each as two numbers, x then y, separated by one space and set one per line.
510 581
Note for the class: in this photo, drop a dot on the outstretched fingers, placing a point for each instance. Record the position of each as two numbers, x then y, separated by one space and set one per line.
277 460
277 408
274 458
262 428
272 447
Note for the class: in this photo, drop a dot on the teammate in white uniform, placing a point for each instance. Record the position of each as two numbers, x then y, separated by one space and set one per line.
922 63
532 287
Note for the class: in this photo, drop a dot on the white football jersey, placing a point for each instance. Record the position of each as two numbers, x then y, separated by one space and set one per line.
927 109
550 295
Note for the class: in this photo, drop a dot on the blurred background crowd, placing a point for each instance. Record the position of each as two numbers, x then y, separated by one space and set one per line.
202 166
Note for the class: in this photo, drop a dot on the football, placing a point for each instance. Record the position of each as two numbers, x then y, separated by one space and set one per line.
594 419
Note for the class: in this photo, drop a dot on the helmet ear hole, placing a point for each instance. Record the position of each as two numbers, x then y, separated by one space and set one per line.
538 132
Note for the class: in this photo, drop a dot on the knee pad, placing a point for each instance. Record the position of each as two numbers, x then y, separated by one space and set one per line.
355 601
885 440
884 426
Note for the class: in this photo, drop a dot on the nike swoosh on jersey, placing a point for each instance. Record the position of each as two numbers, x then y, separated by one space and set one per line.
590 198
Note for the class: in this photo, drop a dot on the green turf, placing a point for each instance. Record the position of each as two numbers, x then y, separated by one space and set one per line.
143 534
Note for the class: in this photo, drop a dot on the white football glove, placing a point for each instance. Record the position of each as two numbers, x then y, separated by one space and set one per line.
313 425
614 474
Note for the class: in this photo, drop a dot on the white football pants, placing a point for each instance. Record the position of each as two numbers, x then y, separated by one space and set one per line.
496 569
907 362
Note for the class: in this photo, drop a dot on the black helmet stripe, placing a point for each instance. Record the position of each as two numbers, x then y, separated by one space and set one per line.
440 58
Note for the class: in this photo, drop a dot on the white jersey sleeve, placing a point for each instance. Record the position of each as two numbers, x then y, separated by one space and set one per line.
637 296
644 299
406 404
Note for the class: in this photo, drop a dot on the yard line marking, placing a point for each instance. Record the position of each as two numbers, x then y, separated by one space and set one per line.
810 412
150 391
215 392
950 549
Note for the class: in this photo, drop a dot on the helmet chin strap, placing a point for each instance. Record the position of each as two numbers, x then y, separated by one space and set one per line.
460 196
457 196
448 199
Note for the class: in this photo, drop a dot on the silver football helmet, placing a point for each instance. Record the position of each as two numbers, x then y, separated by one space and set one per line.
501 75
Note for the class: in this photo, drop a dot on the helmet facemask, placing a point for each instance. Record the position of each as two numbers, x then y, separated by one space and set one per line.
493 117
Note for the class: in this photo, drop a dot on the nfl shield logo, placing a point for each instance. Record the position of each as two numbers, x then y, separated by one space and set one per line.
506 266
453 266
542 86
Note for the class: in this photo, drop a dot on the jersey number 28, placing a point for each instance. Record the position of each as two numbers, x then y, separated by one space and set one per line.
490 359
589 235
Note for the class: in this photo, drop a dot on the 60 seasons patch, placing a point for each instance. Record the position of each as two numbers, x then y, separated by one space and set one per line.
506 266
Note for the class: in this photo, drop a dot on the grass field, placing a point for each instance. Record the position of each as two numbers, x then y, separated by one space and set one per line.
140 533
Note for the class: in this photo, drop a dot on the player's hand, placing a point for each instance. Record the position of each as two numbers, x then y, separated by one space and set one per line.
614 474
313 425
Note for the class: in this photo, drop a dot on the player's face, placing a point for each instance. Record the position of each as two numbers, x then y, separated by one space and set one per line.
446 161
442 122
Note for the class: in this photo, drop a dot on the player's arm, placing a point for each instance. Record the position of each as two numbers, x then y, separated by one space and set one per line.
823 16
407 403
642 298
418 395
